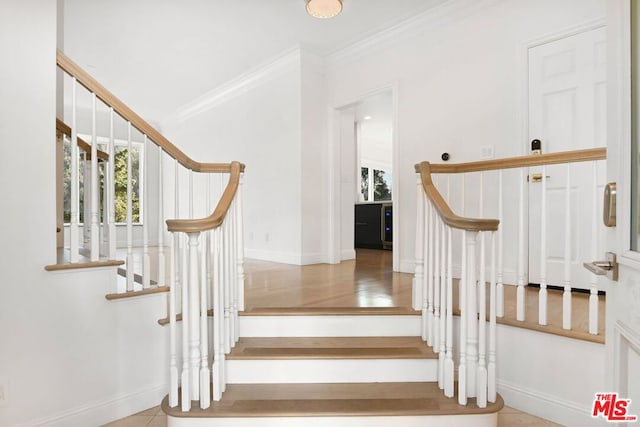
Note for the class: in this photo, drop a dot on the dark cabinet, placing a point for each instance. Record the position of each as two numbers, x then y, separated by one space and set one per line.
373 225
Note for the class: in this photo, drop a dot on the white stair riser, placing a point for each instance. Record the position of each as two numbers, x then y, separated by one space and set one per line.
329 326
331 371
478 420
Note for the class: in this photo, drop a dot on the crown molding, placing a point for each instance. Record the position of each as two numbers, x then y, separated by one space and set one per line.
427 21
286 61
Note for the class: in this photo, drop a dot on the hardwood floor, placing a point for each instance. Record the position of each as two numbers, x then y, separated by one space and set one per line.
369 282
366 281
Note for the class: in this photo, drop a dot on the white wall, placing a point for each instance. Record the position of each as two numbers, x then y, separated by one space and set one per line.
460 80
70 357
260 126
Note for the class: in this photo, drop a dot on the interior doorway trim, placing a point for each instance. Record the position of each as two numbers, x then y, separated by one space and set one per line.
334 171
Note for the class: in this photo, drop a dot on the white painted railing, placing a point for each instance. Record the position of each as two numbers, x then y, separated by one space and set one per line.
478 260
205 242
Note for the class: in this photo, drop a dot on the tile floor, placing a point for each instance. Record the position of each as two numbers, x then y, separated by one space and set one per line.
508 417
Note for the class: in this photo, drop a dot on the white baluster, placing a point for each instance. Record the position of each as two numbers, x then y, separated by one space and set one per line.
205 373
430 274
173 358
161 257
86 202
542 297
462 301
110 184
482 329
566 296
491 368
176 214
471 289
186 377
240 247
593 295
225 283
130 270
520 307
104 242
233 275
218 321
426 272
190 193
418 271
74 232
443 306
194 318
448 363
94 184
436 283
146 258
500 272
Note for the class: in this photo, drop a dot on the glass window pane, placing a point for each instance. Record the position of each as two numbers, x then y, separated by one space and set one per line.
364 183
382 185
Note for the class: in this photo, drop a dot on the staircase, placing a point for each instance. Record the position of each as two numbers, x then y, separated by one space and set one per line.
332 366
434 364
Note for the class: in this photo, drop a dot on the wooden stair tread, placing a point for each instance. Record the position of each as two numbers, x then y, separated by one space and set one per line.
332 348
132 294
349 399
329 311
84 264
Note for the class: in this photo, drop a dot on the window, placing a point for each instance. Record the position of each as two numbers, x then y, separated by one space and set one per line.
375 184
120 172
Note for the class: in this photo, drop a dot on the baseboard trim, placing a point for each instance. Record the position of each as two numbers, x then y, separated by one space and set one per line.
105 411
544 405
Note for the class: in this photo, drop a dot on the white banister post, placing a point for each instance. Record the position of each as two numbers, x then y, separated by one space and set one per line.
240 248
448 363
593 294
74 232
418 270
161 257
462 301
94 184
500 272
130 270
520 307
205 373
491 368
566 295
110 183
173 362
143 214
482 329
542 297
194 318
471 307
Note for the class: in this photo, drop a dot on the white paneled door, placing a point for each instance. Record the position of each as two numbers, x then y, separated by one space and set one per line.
567 111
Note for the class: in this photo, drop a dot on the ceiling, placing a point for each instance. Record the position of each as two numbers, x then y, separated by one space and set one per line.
158 55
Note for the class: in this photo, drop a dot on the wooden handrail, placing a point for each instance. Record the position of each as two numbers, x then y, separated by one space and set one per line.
64 129
136 121
521 161
215 219
425 169
445 212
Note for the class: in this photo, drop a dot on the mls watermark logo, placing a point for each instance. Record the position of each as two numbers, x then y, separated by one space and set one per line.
612 408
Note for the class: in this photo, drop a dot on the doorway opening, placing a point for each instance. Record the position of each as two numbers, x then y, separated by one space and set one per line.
365 157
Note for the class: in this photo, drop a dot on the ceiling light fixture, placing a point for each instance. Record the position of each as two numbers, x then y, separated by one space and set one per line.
324 9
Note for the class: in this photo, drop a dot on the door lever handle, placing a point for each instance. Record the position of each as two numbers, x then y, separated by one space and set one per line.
607 268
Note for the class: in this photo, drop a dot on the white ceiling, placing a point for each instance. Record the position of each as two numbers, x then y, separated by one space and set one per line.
158 55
